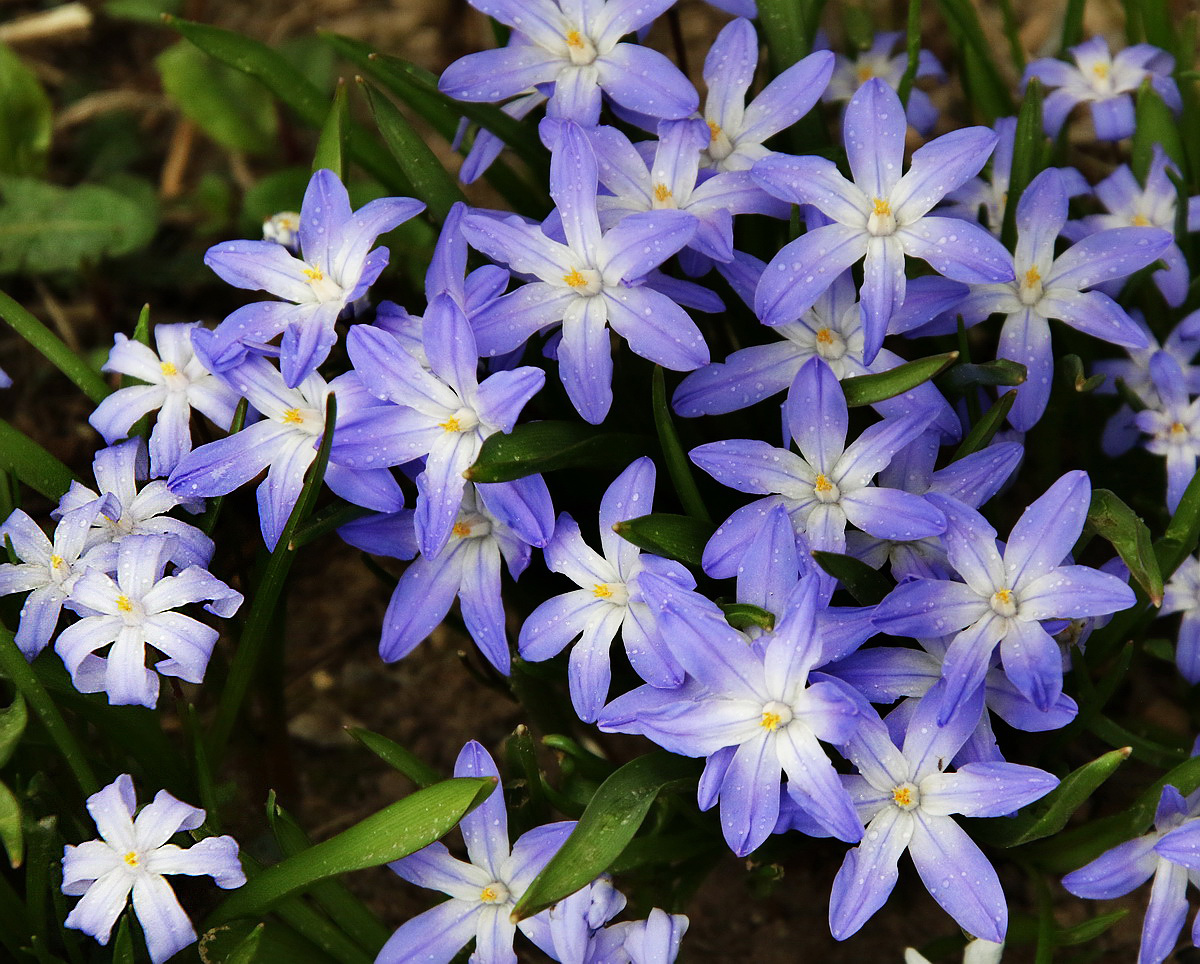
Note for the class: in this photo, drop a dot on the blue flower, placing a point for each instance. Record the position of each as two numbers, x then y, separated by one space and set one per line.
1168 853
880 216
482 892
579 51
176 382
587 284
879 61
133 855
1104 82
335 270
905 798
1173 425
1182 595
1006 597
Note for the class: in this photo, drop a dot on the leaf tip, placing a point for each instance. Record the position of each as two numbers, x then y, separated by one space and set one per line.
1126 752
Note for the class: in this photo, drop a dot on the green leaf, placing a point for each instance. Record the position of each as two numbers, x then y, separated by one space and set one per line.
12 727
869 389
394 832
25 120
1050 814
394 755
431 182
123 945
1088 930
85 376
11 835
967 376
143 11
983 431
544 446
32 464
1155 124
607 826
1072 27
744 615
913 51
228 106
680 537
331 148
271 69
1073 374
677 461
46 229
1183 531
865 584
279 191
1113 520
1028 144
985 86
789 27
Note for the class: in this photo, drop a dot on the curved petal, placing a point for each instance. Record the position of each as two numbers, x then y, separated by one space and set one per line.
958 876
869 872
873 129
805 268
643 80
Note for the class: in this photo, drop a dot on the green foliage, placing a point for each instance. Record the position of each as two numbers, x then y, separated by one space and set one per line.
394 755
869 389
45 229
544 446
673 454
331 148
866 585
32 464
681 537
227 105
24 118
1113 520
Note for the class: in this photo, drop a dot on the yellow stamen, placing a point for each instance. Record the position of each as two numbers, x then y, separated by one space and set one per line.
601 591
450 425
822 484
461 529
882 207
825 336
56 561
131 859
662 193
575 279
124 604
574 39
168 369
865 73
714 130
1003 595
292 417
1140 220
1100 70
314 274
1032 277
1178 428
770 721
902 796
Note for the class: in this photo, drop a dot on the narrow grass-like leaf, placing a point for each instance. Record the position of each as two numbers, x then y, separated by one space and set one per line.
346 910
14 668
865 584
608 824
544 446
12 727
1156 124
394 832
985 86
678 465
89 380
430 181
1073 374
983 431
11 836
913 50
32 464
123 945
1050 814
869 389
1111 519
1089 930
394 755
1012 31
744 615
26 121
329 519
589 764
331 147
1027 160
680 537
256 632
1183 531
141 331
271 69
1072 28
964 378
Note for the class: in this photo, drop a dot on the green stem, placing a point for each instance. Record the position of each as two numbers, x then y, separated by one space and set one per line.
13 665
54 348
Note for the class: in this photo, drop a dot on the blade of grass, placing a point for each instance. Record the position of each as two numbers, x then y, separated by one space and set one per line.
86 378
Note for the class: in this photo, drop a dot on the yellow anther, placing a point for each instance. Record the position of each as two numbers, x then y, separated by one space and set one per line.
314 274
131 859
902 796
882 207
662 193
1140 220
575 279
825 337
601 590
574 39
714 130
865 73
770 721
1178 428
1003 595
1032 277
822 484
461 529
450 425
168 369
292 417
124 604
1100 70
55 561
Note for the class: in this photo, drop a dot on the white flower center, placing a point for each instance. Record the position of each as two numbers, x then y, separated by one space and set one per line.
719 145
830 344
494 893
323 287
463 420
881 222
1030 290
906 796
584 282
471 525
775 715
1004 603
580 48
826 490
615 592
307 420
663 199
